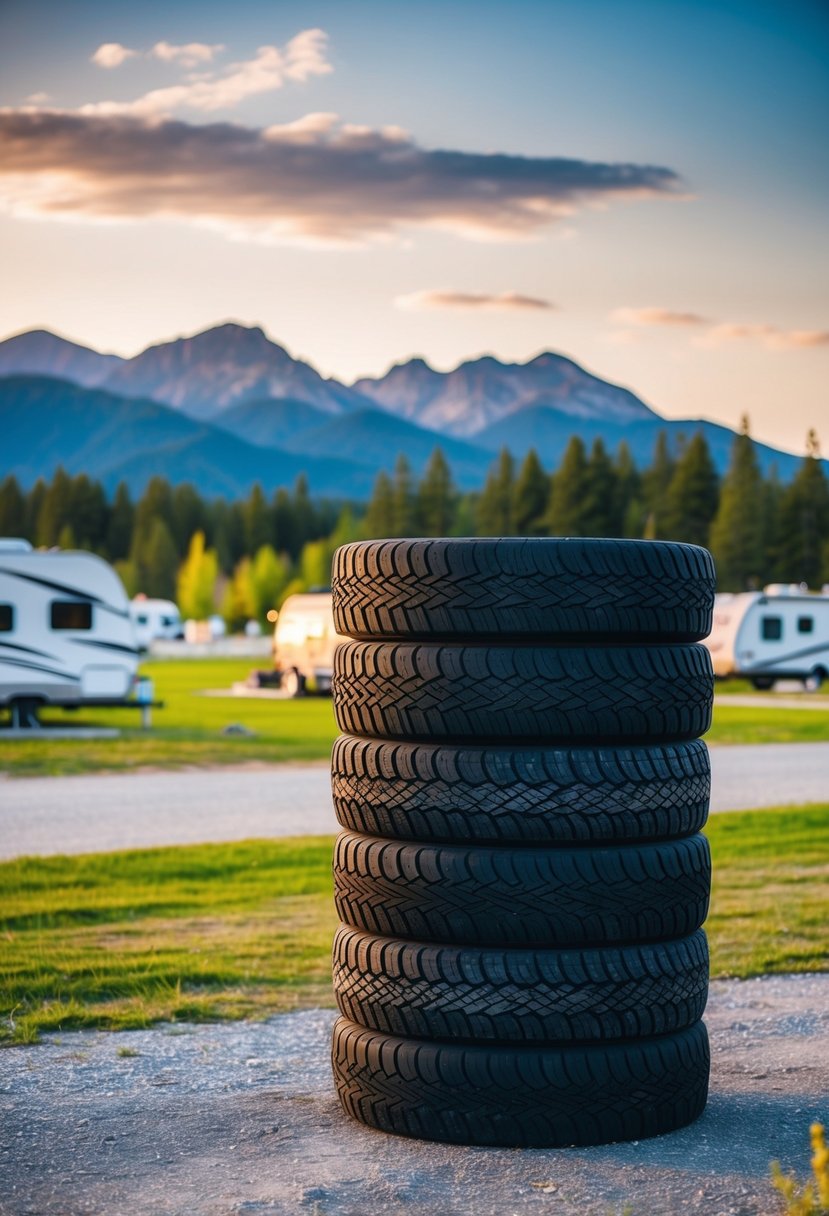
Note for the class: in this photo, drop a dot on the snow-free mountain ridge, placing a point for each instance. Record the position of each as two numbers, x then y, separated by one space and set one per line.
228 407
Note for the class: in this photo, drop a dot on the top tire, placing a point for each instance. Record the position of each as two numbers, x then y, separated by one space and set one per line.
558 588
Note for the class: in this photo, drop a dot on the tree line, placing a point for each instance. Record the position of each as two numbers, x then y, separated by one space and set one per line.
243 557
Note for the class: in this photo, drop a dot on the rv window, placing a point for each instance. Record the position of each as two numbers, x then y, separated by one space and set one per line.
805 624
141 620
6 618
771 628
71 614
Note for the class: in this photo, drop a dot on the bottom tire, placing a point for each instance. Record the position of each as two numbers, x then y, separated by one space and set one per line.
521 1097
483 993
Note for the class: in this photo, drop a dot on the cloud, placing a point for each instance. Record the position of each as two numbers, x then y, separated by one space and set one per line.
770 336
269 69
190 55
316 180
112 55
506 301
721 333
658 316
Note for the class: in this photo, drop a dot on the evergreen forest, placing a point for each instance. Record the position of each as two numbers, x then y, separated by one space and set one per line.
243 558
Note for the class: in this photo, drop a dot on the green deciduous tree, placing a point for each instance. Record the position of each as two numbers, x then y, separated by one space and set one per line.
379 518
197 580
269 575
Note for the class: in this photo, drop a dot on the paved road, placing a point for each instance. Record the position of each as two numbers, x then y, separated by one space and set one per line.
44 815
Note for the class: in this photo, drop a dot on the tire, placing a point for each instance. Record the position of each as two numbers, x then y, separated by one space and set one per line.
814 680
587 795
413 690
522 897
533 1097
428 991
527 588
763 683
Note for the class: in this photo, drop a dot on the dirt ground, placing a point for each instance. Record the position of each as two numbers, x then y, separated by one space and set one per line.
241 1118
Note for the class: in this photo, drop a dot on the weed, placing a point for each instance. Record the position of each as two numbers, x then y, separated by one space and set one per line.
810 1198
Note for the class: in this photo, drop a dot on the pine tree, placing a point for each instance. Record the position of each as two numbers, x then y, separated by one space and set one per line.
567 494
284 524
188 516
655 481
598 516
378 522
34 504
737 529
12 508
197 579
435 497
88 512
304 522
628 509
530 496
692 495
54 509
403 499
804 520
257 519
495 506
120 525
160 562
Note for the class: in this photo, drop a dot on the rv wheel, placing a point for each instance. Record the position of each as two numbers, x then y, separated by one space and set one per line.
763 683
293 683
814 680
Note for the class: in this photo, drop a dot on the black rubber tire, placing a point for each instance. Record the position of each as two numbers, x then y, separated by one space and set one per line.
427 991
580 795
522 897
524 588
533 1097
417 690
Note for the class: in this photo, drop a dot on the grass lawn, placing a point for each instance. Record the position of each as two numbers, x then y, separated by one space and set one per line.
189 729
222 931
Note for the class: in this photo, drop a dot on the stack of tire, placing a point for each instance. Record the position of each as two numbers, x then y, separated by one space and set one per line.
521 878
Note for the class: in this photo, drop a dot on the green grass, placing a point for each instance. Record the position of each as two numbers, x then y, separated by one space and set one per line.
243 930
188 730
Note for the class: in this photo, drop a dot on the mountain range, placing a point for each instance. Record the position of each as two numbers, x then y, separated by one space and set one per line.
228 407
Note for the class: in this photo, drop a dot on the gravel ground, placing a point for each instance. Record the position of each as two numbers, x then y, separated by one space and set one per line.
240 1118
105 811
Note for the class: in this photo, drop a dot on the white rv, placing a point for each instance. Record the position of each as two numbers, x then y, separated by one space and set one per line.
779 633
66 637
303 643
155 619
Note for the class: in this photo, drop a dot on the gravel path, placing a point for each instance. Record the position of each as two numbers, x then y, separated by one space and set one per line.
98 813
240 1118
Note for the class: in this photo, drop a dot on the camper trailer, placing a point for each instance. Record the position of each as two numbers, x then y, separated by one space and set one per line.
779 633
66 637
303 643
155 619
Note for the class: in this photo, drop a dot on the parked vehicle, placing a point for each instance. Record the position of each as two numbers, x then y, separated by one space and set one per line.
154 619
66 636
303 643
781 632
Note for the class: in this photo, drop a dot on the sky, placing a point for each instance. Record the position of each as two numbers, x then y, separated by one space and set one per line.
642 185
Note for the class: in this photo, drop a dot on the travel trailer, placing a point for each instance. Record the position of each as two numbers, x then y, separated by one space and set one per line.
303 643
779 633
154 619
66 637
